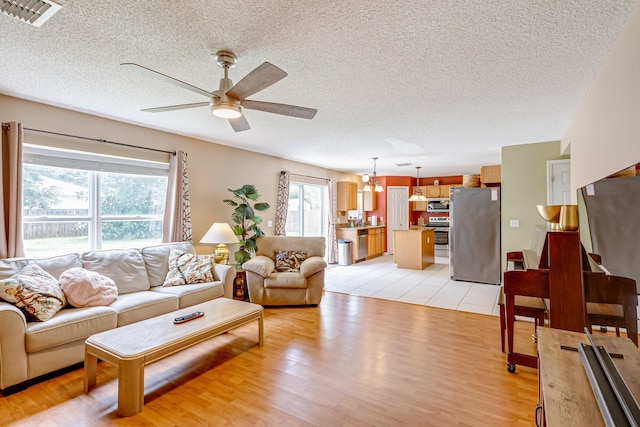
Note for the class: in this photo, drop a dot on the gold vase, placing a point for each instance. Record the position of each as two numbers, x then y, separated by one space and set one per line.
569 217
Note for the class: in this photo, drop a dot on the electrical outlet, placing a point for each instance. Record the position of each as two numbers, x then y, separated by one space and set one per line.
514 223
269 223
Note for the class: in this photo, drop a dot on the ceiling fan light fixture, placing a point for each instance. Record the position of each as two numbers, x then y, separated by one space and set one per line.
226 111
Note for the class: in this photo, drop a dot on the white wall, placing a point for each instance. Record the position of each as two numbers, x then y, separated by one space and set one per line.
604 133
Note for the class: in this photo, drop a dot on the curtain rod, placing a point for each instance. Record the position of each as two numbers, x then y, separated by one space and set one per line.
309 176
7 126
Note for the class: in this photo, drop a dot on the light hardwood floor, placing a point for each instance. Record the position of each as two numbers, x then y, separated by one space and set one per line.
351 361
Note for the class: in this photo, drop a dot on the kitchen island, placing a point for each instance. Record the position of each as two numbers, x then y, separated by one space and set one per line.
414 248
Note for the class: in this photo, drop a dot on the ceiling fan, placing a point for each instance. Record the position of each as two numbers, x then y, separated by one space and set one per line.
228 101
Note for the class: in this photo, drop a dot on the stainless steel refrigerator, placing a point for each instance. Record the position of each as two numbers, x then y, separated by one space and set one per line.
474 240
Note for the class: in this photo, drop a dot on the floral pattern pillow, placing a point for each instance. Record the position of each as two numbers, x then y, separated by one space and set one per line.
289 261
186 268
35 292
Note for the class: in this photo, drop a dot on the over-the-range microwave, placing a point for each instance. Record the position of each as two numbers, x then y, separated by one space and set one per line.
439 204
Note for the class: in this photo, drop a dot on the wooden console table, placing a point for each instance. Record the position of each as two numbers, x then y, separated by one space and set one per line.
565 393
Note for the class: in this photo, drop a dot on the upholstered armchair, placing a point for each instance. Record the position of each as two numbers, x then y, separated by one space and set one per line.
286 271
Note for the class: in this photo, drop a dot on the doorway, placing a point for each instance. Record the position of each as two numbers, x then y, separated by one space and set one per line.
559 182
397 212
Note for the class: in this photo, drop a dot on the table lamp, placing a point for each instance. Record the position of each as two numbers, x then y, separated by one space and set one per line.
220 233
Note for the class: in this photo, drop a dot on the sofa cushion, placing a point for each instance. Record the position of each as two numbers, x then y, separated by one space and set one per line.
69 325
125 266
157 260
187 268
11 266
289 260
136 306
285 280
189 295
56 265
84 288
35 292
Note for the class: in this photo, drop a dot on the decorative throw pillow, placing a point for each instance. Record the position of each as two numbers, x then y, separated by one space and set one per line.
84 288
289 261
35 292
186 268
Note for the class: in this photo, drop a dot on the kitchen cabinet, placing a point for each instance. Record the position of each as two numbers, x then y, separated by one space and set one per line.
369 201
445 190
433 191
490 174
421 206
347 196
376 242
375 239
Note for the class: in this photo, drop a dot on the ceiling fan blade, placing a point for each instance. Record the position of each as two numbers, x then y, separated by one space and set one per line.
175 107
239 124
284 109
168 79
260 78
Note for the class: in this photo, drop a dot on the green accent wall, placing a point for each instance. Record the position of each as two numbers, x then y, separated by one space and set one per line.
524 185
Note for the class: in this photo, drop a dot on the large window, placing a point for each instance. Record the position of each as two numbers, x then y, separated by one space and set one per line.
306 216
74 202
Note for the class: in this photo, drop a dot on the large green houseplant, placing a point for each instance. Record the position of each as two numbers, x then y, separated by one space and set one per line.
247 224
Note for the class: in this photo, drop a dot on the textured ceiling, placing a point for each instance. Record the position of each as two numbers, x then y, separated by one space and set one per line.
437 84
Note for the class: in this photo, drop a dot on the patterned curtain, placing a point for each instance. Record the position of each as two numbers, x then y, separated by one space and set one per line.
282 206
11 242
332 246
177 212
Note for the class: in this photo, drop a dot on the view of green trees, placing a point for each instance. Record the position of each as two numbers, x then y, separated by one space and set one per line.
58 192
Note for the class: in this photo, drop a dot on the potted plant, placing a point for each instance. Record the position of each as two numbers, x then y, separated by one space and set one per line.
246 222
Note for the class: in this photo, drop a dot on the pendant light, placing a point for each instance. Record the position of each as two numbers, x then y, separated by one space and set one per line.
372 180
417 195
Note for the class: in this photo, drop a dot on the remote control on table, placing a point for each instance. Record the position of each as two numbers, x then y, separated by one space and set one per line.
187 317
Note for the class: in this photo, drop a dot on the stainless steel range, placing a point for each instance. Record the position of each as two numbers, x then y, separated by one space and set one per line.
441 234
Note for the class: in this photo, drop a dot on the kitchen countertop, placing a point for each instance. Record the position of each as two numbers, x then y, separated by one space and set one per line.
363 227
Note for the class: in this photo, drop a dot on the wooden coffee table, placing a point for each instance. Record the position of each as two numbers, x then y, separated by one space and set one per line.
132 347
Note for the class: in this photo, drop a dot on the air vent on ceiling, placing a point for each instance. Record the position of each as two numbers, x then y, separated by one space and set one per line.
34 12
404 164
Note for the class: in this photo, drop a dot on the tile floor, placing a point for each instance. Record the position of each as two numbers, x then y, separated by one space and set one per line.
380 278
433 286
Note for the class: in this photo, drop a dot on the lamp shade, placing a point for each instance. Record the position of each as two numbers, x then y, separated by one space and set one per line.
219 232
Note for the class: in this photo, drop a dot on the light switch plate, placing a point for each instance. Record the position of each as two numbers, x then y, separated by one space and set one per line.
514 223
269 223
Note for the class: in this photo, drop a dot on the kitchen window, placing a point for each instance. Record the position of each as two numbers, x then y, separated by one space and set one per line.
307 208
75 201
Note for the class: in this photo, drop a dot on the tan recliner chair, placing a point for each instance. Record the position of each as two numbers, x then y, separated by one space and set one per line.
267 286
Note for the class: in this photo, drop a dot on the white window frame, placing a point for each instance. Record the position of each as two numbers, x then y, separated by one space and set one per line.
95 164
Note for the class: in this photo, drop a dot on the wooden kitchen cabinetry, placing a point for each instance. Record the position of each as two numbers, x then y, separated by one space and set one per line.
375 242
369 201
347 196
421 206
433 191
490 174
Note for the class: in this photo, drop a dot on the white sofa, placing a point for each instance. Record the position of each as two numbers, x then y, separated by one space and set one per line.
31 349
